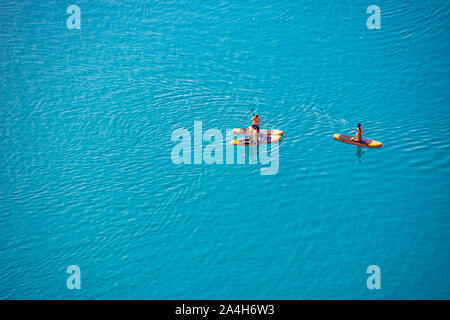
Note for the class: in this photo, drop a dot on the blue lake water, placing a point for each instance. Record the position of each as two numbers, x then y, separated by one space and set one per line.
87 179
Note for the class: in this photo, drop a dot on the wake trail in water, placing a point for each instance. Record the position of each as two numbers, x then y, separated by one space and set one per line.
324 117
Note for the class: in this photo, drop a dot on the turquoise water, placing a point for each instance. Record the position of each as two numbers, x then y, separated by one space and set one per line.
87 179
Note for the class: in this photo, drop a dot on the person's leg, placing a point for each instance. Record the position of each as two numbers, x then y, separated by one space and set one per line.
253 136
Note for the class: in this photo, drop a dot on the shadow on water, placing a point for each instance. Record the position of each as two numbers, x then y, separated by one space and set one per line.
359 153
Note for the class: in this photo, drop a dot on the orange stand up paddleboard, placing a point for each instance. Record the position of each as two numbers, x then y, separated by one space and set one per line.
363 143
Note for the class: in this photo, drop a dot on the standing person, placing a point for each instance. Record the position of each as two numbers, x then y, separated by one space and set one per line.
254 130
255 124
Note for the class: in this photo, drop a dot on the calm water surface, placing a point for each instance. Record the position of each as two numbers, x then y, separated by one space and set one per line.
86 118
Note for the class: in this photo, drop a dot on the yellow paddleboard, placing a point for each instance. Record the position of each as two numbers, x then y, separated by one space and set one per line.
264 132
261 139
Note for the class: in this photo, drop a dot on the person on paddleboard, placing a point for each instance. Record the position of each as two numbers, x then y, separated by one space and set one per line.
358 134
254 130
255 124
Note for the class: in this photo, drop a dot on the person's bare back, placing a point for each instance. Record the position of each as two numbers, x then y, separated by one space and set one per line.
255 124
254 128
